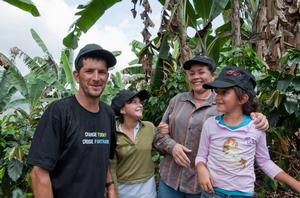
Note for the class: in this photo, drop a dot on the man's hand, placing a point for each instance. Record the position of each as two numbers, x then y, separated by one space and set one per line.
179 155
111 191
110 188
260 121
204 179
163 128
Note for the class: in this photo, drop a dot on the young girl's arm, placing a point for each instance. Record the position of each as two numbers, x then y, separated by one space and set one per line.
204 178
270 168
287 179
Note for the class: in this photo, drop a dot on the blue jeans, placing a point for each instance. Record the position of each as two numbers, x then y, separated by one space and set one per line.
165 191
221 195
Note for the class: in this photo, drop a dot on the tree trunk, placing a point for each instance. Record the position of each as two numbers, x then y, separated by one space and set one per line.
182 30
235 23
277 28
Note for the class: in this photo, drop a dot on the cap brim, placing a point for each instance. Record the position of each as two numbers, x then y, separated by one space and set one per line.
143 95
106 55
218 84
188 64
102 53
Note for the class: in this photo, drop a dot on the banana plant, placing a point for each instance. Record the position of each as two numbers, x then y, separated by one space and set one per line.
46 80
88 15
27 6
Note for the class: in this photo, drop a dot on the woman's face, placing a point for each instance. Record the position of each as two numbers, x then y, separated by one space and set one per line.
133 108
198 75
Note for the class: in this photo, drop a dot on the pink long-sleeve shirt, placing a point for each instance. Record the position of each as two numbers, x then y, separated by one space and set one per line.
229 155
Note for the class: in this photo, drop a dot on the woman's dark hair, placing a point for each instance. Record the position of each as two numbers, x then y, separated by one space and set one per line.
120 117
252 105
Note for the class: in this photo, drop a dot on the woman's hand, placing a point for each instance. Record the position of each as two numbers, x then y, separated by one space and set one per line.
179 154
204 178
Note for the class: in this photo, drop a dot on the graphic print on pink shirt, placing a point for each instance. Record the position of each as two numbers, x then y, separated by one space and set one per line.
231 152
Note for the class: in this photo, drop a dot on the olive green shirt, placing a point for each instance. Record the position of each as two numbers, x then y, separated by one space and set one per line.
133 159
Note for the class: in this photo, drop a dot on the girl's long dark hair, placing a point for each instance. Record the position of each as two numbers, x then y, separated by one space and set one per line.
252 105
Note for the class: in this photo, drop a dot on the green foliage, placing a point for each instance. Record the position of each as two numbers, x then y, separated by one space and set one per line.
16 130
113 86
25 5
243 56
89 14
46 81
278 90
208 10
160 98
162 56
68 72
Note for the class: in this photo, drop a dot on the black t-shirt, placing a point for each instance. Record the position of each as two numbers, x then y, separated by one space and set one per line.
74 145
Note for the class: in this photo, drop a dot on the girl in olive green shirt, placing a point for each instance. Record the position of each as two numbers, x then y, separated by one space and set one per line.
134 165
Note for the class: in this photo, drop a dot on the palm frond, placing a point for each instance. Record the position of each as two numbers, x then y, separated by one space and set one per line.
68 72
29 62
50 59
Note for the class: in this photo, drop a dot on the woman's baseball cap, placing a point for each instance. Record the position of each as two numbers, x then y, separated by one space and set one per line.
204 60
125 95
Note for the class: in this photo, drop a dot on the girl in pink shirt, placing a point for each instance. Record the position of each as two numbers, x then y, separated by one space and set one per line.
230 142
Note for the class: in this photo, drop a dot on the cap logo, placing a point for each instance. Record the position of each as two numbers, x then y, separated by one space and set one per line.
233 72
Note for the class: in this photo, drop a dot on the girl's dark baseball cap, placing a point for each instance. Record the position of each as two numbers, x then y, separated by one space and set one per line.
231 76
125 95
204 60
98 51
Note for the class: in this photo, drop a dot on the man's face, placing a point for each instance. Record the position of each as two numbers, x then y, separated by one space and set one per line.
92 77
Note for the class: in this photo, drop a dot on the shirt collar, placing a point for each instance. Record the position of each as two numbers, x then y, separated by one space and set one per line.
245 126
209 102
139 125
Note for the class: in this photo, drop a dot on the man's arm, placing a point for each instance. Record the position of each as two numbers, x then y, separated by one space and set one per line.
41 183
110 185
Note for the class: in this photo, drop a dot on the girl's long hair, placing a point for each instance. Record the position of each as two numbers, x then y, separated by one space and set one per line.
252 105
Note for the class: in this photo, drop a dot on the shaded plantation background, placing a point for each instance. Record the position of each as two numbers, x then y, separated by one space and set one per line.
264 39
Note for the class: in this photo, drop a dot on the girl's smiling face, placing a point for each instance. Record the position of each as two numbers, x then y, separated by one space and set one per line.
133 108
227 100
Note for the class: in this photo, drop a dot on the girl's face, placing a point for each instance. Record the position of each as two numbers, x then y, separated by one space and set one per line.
133 108
228 102
197 76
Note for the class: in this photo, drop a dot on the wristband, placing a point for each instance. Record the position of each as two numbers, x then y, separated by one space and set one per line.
109 183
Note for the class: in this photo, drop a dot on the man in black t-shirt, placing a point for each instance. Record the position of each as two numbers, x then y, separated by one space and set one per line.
76 135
